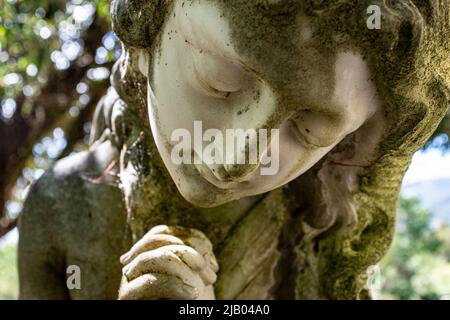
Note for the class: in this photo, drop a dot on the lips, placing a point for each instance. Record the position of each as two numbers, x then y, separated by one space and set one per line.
241 172
226 176
217 176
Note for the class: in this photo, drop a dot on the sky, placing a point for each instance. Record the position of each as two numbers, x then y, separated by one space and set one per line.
427 165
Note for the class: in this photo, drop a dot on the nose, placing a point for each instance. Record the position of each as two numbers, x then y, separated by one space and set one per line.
245 159
248 155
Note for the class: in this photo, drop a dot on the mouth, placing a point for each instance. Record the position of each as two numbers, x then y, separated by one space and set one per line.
217 176
222 176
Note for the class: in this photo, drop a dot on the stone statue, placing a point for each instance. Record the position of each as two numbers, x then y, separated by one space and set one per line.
345 107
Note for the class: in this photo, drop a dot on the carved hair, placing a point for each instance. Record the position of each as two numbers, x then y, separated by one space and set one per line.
354 201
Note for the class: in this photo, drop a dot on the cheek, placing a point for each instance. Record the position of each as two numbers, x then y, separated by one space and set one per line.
173 105
296 157
355 94
293 160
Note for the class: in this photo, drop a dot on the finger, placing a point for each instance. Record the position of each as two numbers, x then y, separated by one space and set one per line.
208 276
194 261
207 294
186 234
204 247
161 261
192 237
188 255
213 262
157 286
160 229
147 243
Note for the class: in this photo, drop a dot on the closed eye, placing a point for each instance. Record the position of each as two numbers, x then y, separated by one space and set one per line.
208 88
217 76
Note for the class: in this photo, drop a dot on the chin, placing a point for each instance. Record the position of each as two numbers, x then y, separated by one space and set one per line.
201 193
210 196
207 198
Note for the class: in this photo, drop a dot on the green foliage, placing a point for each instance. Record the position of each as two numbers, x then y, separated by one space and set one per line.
9 288
39 41
417 266
36 35
444 235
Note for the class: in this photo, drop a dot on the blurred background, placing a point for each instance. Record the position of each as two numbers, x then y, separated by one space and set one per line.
55 61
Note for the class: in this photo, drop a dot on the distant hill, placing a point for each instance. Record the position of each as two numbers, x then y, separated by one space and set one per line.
435 196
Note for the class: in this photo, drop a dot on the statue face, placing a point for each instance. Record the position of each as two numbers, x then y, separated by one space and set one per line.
201 73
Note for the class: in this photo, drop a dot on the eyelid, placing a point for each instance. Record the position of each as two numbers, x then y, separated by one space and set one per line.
234 62
218 75
210 90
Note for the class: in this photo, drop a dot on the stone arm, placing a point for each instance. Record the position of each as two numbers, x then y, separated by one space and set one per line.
41 262
74 216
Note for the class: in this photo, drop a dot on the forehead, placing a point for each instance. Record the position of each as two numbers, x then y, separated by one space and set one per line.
276 41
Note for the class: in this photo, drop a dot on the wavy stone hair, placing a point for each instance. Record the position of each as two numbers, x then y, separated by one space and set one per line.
351 217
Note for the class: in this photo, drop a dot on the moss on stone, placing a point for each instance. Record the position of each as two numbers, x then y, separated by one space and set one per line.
410 64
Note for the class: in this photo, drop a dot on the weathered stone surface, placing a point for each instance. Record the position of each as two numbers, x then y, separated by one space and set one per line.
315 237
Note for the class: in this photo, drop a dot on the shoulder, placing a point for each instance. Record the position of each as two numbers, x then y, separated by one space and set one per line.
75 186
